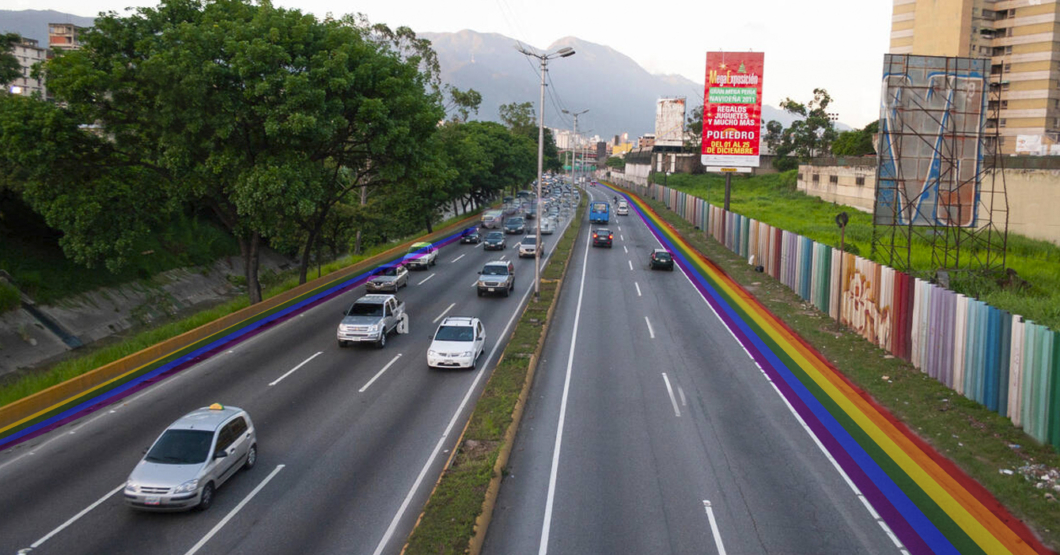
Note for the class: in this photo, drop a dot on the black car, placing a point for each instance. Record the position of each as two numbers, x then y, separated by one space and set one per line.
494 241
661 259
602 237
515 225
470 236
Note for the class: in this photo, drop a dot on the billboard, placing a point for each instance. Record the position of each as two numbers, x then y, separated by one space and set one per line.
732 109
670 122
932 110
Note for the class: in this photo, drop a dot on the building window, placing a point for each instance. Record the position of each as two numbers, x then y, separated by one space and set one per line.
1004 86
801 178
1008 32
1004 105
1008 68
859 181
1008 50
833 179
816 178
1001 122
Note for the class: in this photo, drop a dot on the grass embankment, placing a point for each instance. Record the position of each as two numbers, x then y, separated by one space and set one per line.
36 262
25 383
448 522
774 200
979 441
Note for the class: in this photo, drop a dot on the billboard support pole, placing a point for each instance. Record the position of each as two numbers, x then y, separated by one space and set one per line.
728 189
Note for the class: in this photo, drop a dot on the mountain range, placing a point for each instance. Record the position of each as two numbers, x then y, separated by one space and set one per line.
619 94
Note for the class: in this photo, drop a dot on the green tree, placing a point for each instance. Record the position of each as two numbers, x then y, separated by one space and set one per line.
694 130
265 115
616 162
10 69
857 142
462 104
520 118
810 136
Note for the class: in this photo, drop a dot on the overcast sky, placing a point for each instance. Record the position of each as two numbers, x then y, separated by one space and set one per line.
834 44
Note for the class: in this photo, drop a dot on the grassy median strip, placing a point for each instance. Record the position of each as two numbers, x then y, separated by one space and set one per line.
27 382
458 511
985 445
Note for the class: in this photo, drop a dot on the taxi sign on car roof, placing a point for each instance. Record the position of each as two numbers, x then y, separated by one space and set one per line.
217 406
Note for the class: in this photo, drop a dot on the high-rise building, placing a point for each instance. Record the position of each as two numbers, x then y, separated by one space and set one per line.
28 53
1020 37
64 36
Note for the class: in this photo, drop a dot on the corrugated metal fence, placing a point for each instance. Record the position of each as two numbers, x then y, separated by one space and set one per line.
1008 364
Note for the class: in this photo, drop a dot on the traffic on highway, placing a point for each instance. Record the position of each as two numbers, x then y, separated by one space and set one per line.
349 436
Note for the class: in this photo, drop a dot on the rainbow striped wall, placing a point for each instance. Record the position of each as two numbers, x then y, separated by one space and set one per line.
927 503
998 359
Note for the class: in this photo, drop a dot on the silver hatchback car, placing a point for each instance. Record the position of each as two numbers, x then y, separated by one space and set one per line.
192 458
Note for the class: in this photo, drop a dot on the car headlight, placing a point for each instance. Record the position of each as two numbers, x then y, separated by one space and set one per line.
186 487
130 487
466 353
373 327
432 353
481 283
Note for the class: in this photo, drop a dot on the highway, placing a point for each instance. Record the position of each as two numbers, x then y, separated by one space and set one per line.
651 430
351 441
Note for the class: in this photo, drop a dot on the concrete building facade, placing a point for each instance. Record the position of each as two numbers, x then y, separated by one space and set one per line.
28 54
64 36
1020 37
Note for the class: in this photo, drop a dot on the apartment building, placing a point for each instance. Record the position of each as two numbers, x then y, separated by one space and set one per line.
64 36
28 53
1022 41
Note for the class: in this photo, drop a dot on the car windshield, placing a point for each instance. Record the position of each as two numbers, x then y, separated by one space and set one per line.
515 222
495 235
495 271
455 333
365 309
529 240
419 248
603 232
599 207
181 447
391 271
662 255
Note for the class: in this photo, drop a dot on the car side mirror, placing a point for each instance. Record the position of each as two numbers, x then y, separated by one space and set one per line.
145 450
480 273
220 454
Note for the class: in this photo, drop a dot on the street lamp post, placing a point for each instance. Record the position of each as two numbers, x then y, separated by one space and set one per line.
545 57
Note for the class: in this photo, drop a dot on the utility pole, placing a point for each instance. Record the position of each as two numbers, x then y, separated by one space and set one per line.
574 141
561 53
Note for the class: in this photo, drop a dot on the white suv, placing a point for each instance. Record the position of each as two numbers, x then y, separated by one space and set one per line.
528 245
458 343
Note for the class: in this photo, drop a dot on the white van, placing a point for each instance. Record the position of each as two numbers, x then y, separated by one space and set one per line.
623 208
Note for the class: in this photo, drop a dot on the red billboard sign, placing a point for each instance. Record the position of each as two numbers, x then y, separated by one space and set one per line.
732 109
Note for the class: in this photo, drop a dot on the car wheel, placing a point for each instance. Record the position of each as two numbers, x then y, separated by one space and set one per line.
671 268
382 339
507 292
252 457
479 292
342 344
206 498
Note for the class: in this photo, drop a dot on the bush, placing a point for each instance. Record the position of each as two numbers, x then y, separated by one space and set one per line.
9 297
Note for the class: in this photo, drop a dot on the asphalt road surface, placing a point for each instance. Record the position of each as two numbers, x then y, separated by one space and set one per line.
348 452
651 431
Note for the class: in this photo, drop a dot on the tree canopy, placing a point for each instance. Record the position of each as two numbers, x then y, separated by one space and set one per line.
857 142
10 69
811 135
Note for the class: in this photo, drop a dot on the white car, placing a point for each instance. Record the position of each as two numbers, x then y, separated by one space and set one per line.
623 208
528 246
458 343
548 226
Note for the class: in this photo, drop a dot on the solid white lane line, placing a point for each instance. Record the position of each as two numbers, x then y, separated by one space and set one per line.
459 257
624 249
380 373
448 429
630 265
651 331
293 370
681 393
637 285
446 311
670 391
813 436
74 519
425 279
547 525
714 528
233 512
